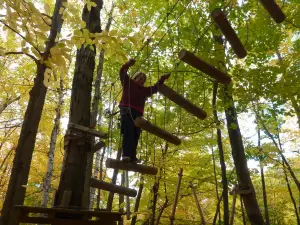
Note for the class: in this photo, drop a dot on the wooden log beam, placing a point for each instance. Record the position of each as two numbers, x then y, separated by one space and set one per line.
98 146
87 130
182 102
128 166
224 25
274 10
151 128
112 187
203 66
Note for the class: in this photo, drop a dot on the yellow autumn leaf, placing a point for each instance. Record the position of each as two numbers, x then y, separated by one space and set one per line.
61 10
113 33
47 8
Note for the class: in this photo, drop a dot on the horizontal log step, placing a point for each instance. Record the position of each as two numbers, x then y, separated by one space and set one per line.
94 183
153 129
117 164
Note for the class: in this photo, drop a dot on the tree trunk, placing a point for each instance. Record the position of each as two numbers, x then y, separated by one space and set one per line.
155 195
21 165
263 182
54 134
94 115
291 195
240 162
222 159
74 173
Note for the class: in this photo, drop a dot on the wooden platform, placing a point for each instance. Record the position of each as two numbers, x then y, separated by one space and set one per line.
153 129
182 102
59 216
94 183
117 164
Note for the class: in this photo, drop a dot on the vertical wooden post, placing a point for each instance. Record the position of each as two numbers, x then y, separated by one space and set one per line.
127 197
197 204
172 217
233 208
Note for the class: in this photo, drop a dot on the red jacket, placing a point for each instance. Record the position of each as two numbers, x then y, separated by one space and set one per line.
133 95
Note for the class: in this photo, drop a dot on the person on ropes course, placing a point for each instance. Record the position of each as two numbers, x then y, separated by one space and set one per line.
132 105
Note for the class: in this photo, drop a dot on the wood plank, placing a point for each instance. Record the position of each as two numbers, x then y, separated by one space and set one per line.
98 146
203 66
55 221
153 129
182 102
93 132
112 187
27 209
274 10
224 25
128 166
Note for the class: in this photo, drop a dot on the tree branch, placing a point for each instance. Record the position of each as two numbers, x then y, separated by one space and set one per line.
20 53
294 25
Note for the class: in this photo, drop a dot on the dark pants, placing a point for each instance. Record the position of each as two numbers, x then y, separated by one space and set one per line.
130 132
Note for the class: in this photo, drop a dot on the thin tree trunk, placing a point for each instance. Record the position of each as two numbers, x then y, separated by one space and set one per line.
279 148
263 182
291 195
233 208
217 210
53 139
137 201
155 195
243 211
21 165
8 102
164 206
95 109
222 159
74 173
217 189
6 157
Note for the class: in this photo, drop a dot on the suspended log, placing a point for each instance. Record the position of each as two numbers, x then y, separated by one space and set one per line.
224 25
151 128
203 66
87 130
172 217
94 183
128 166
274 10
182 102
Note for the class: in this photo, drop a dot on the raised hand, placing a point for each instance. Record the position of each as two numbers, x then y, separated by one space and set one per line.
131 62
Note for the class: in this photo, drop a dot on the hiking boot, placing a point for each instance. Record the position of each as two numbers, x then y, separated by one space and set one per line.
126 159
136 161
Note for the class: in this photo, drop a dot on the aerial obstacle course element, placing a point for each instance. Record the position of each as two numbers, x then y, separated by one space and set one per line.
182 102
203 66
94 183
128 166
274 10
224 25
151 128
